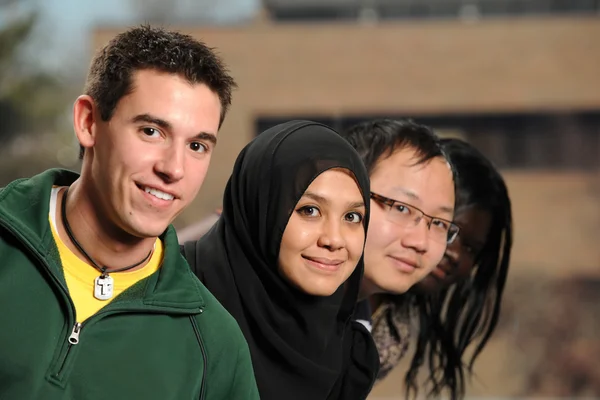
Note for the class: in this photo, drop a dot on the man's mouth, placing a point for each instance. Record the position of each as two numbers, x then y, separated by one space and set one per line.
158 193
405 264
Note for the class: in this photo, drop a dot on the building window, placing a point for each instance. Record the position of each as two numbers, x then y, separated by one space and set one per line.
521 141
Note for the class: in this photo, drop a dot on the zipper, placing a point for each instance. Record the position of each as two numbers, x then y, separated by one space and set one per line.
72 341
76 330
60 363
204 357
74 338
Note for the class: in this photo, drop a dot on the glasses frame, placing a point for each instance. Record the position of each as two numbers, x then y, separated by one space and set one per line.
391 202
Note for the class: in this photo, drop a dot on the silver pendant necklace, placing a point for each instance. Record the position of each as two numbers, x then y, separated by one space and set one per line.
103 284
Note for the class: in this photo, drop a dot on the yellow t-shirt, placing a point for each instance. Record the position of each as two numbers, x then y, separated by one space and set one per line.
80 275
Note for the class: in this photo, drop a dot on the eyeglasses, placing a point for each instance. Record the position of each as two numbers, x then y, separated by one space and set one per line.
440 230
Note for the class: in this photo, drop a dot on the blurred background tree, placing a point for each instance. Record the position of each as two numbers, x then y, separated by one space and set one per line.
32 101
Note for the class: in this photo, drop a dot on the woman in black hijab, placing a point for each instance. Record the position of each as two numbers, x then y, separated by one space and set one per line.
303 343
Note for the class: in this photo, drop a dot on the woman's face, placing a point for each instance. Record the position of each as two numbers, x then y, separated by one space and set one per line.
324 237
461 255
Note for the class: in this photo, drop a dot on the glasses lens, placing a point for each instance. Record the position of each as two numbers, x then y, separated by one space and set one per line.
402 214
405 215
452 233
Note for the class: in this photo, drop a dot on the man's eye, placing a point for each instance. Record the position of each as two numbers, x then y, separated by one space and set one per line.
441 224
198 147
401 209
151 132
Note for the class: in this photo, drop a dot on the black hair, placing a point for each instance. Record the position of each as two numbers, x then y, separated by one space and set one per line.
378 139
111 72
467 312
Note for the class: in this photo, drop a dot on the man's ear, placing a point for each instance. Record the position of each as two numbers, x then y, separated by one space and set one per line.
84 121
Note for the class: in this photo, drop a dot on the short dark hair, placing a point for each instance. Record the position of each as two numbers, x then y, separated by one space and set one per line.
378 139
110 75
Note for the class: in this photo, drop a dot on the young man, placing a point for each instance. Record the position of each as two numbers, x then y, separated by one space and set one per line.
95 300
412 205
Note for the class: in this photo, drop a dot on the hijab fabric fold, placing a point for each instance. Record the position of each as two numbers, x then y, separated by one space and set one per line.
303 347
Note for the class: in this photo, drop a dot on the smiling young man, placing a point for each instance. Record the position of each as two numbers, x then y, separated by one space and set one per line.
96 301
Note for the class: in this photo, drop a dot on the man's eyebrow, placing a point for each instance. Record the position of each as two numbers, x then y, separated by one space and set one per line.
406 192
446 209
414 196
211 137
152 120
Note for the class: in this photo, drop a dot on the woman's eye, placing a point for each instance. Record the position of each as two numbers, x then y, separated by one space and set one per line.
354 217
309 211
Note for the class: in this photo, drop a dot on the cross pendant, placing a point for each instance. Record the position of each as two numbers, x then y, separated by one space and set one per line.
103 287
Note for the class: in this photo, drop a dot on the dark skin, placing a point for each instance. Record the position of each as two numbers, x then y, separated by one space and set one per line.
461 255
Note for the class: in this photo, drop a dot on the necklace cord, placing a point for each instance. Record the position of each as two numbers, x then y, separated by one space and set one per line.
103 270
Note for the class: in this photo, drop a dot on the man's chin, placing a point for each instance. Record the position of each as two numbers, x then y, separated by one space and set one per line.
148 230
397 289
154 233
427 285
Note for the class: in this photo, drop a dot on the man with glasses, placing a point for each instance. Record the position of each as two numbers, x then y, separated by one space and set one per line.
412 205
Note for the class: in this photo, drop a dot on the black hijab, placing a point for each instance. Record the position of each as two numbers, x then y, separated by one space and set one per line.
303 347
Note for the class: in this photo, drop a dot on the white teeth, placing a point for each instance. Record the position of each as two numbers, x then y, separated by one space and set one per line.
159 194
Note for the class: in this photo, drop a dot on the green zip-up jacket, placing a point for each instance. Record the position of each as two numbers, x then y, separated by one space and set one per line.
164 338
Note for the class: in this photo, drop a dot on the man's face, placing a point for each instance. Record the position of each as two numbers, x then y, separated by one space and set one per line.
398 256
147 163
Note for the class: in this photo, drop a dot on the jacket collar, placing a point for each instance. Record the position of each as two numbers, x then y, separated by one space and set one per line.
24 208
